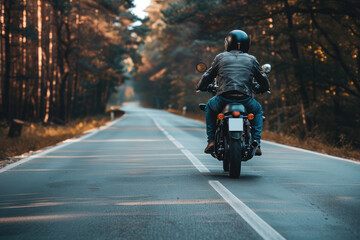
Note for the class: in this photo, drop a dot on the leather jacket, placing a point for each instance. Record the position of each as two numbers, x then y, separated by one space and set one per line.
235 71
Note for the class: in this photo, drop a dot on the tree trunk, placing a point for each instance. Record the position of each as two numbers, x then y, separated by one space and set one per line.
6 88
63 97
60 62
297 70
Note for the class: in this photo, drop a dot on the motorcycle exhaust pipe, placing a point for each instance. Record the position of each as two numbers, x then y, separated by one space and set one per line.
254 146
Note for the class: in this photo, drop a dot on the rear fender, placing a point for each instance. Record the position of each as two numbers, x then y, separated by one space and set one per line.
235 135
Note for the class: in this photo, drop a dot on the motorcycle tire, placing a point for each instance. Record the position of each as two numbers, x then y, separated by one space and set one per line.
225 165
234 158
226 156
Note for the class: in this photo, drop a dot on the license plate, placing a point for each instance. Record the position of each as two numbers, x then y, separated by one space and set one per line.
236 124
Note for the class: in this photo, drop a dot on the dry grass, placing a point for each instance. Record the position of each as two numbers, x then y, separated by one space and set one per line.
36 136
312 144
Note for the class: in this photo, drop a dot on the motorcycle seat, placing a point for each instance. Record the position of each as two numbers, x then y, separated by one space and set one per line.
232 107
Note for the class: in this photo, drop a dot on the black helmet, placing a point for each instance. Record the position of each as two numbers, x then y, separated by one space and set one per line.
237 40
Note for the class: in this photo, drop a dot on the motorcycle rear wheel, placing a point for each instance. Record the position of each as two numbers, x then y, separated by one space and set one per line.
234 158
226 156
225 165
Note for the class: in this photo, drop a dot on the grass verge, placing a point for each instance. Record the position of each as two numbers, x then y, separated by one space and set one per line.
313 144
36 136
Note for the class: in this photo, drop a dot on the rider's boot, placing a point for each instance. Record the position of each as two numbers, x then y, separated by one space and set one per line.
258 151
210 147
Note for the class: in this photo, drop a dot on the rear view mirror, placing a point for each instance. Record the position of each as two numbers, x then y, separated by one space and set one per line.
201 67
266 67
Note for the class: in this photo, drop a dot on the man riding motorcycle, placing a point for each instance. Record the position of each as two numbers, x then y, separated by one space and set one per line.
235 70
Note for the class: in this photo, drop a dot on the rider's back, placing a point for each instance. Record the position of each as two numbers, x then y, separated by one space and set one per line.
235 72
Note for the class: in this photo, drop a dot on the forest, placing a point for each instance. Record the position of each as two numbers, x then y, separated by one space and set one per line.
313 46
61 59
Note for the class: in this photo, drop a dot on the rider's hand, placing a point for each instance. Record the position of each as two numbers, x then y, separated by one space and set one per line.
210 88
257 89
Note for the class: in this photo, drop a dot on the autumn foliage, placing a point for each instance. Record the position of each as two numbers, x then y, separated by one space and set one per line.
313 46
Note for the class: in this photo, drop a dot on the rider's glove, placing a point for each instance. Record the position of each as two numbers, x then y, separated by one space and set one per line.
210 88
257 88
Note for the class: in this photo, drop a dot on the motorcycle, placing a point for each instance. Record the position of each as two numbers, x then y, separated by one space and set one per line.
233 139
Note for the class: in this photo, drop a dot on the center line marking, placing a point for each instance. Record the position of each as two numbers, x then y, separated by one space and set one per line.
259 225
194 160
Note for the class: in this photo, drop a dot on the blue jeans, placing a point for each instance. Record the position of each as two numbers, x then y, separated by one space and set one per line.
216 104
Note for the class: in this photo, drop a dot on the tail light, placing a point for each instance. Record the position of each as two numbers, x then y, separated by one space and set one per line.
251 116
220 116
236 114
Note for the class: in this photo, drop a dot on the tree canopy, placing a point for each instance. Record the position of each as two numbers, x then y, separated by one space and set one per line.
61 59
313 46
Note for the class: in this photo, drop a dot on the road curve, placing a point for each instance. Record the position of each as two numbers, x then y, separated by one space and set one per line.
146 177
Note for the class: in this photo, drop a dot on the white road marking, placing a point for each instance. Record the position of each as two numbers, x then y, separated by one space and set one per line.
194 160
259 225
312 152
60 145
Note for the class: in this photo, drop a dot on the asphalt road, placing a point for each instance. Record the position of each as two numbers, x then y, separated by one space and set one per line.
146 177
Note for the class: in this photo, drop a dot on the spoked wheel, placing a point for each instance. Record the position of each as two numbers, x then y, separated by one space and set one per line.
234 158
